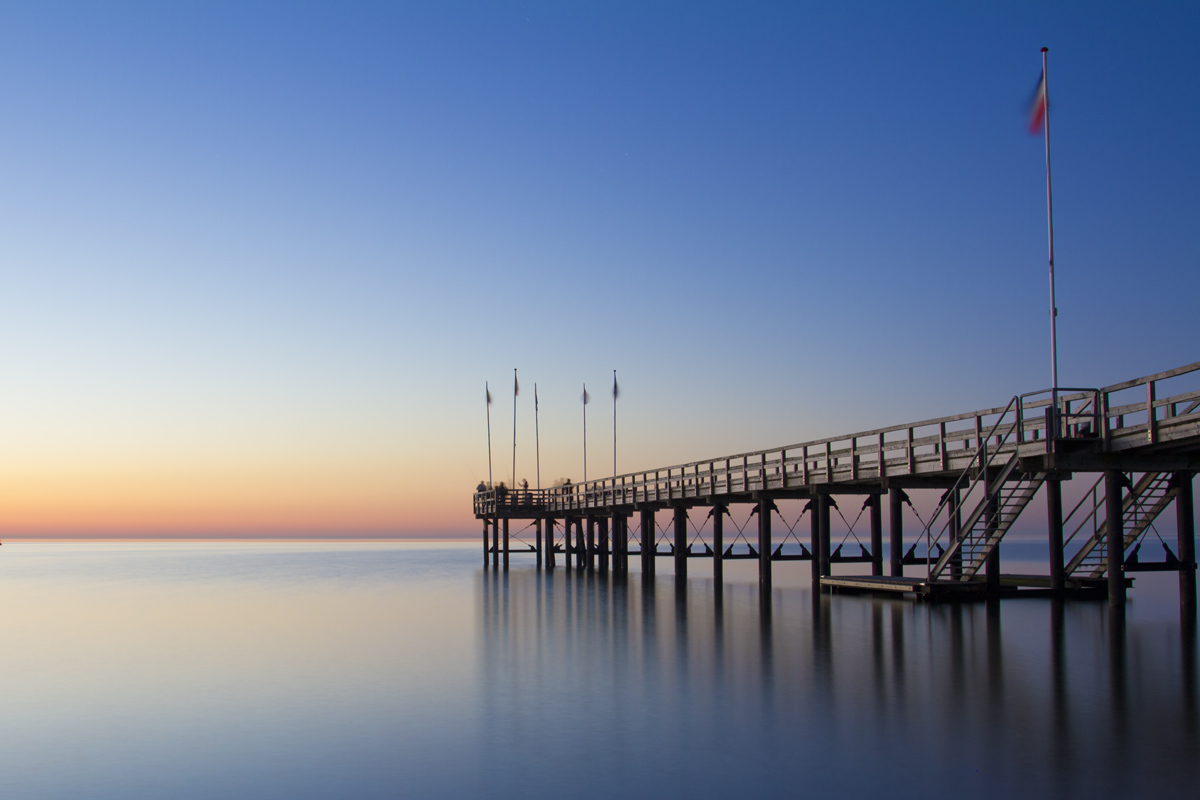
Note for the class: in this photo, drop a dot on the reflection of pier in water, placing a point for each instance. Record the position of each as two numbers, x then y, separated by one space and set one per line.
1136 444
1052 691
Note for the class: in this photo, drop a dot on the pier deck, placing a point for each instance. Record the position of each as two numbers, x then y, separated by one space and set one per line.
1140 440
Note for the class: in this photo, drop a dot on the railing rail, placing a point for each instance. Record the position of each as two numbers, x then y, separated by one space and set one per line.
938 445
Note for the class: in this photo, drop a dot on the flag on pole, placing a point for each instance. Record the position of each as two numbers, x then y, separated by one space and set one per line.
516 384
586 396
1037 106
614 384
489 394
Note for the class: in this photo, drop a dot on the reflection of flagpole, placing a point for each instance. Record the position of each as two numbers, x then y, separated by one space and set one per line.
614 429
489 419
537 445
585 402
516 391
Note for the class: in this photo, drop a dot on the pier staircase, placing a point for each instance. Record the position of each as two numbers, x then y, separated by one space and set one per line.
1142 503
999 490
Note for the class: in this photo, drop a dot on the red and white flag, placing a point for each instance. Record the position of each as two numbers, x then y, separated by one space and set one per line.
1037 106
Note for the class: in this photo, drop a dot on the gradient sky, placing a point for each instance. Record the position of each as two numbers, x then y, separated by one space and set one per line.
258 259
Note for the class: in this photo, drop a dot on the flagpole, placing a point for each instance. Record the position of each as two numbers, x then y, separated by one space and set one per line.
516 391
1050 229
488 392
537 444
585 399
614 429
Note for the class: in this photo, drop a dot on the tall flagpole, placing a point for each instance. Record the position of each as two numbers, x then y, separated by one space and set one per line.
516 391
488 392
614 429
537 444
585 401
1050 227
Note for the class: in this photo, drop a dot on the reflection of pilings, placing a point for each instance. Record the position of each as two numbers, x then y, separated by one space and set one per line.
822 648
1116 668
1187 646
957 654
649 544
879 658
1114 524
995 659
896 515
898 681
875 504
1058 685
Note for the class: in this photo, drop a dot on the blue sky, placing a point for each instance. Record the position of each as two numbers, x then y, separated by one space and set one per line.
255 252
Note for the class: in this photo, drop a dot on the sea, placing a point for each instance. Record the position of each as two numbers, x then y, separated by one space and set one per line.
204 669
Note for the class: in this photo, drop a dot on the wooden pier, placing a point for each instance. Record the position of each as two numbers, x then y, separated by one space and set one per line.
1136 442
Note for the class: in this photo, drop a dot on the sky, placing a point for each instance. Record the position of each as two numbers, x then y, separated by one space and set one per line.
257 260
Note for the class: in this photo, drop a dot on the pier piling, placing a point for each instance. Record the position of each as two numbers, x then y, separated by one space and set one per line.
1114 523
896 530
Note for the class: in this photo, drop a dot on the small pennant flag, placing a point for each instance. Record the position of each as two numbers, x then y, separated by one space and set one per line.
1037 106
535 397
586 396
614 384
516 384
488 392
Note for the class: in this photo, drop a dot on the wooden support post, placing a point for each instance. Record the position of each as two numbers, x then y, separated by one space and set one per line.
538 541
718 546
603 544
549 542
580 546
1185 525
506 542
649 542
485 541
896 518
955 529
823 516
681 547
814 540
764 545
619 536
1114 524
495 542
991 567
591 543
875 506
568 548
1054 524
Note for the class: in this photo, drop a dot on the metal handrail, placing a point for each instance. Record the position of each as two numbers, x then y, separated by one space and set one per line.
984 462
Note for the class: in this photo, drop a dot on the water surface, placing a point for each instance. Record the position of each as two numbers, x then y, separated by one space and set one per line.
384 670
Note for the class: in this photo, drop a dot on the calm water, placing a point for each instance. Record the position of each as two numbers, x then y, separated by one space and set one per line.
389 670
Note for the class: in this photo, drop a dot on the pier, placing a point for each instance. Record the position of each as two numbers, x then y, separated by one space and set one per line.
1136 444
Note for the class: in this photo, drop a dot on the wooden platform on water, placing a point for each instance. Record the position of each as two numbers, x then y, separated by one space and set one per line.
925 589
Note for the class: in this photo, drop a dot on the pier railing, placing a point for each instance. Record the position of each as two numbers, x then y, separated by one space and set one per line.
1114 418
